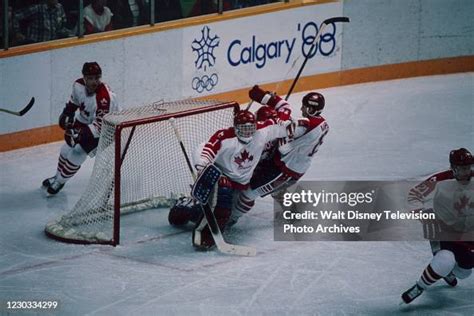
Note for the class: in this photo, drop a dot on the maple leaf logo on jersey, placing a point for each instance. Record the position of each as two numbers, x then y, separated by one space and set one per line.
461 204
103 102
243 159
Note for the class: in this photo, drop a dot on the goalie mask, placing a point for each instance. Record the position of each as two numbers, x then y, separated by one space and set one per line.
461 161
245 126
266 112
312 104
92 74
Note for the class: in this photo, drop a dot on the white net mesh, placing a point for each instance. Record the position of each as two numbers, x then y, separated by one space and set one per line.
153 172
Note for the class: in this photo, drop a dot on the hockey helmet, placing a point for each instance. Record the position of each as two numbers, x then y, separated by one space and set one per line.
91 69
266 112
313 104
245 125
461 160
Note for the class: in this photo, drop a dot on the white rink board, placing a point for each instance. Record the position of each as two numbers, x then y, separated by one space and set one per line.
245 54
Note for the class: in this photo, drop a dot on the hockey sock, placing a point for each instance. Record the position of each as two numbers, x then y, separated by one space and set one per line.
70 162
242 206
440 266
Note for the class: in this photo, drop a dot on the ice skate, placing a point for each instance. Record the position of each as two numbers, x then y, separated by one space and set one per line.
451 280
52 186
409 295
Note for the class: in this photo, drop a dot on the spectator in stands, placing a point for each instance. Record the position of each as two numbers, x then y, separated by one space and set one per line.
46 21
71 7
10 26
97 17
167 10
199 7
251 3
128 13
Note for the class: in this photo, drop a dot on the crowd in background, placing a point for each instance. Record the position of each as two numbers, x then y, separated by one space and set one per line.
34 21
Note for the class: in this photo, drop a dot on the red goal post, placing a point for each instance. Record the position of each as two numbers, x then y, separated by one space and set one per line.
139 165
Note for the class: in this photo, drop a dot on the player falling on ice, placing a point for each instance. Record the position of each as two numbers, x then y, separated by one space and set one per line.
293 156
81 120
452 195
235 152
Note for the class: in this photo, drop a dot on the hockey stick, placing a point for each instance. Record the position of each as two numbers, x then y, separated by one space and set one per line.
22 112
221 244
313 45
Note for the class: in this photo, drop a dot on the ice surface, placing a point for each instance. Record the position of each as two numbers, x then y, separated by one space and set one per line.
401 129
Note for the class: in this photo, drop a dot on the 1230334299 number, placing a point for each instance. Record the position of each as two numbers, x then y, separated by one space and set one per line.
40 304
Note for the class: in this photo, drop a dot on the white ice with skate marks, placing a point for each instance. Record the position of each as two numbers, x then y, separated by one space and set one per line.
389 130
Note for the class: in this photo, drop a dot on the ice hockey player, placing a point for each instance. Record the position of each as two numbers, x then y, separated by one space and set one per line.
186 209
236 152
452 196
81 120
293 156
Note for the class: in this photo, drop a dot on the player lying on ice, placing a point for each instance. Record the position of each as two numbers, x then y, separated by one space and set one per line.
186 210
452 196
81 121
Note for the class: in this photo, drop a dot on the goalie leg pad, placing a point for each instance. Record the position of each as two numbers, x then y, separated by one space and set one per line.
205 182
202 239
202 236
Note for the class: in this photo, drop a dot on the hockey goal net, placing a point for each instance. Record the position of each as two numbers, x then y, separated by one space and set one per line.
139 165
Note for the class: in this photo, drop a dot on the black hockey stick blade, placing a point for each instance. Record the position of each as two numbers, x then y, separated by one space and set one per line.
28 107
22 112
337 19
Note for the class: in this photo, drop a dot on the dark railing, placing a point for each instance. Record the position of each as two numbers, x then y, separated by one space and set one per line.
21 22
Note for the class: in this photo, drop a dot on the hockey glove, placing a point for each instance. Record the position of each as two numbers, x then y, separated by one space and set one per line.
72 136
80 134
66 119
260 96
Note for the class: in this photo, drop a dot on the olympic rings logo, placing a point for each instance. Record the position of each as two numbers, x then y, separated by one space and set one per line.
205 83
326 44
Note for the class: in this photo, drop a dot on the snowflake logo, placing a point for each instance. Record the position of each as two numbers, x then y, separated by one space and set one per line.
205 49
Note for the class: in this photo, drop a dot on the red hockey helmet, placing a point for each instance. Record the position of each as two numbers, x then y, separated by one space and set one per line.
245 125
91 69
312 104
461 160
266 112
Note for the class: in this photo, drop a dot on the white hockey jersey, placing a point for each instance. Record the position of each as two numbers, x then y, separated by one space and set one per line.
294 155
238 160
451 200
92 108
